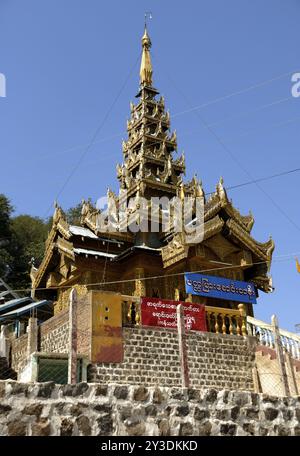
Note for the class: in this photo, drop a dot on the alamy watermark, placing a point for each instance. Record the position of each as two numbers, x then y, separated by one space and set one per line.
296 86
154 215
2 85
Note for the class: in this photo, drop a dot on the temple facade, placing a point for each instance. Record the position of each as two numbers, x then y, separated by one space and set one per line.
146 263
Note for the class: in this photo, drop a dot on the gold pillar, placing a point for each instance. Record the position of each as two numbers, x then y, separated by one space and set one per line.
140 287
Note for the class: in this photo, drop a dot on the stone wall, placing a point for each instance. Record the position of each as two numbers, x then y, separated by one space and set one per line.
93 409
54 334
19 352
152 357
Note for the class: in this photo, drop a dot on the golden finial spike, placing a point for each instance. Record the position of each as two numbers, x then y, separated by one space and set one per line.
146 65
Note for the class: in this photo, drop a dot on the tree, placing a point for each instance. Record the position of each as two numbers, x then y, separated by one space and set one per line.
30 234
22 238
6 235
73 214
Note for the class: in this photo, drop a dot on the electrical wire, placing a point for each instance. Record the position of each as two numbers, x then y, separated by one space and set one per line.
227 149
283 257
99 128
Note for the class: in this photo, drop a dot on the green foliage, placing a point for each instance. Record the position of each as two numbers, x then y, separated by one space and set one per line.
73 214
30 234
22 239
6 210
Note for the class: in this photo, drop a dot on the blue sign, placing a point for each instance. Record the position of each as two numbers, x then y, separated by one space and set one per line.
220 288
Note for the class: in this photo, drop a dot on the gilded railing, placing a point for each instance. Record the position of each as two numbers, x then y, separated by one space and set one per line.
226 321
131 308
219 320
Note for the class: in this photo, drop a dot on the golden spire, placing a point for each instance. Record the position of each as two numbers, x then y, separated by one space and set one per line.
146 65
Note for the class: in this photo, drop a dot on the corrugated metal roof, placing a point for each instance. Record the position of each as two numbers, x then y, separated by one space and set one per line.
81 231
25 309
14 303
94 252
86 232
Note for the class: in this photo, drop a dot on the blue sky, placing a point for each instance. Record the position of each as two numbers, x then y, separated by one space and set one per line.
65 61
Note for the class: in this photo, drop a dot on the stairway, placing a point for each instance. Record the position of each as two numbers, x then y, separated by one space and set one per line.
5 371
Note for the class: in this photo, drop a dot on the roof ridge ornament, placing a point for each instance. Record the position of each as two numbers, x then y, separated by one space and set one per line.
146 65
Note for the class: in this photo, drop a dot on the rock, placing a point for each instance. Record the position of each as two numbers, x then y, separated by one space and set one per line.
66 427
297 413
186 429
103 408
263 431
163 427
45 389
101 390
272 399
78 409
287 414
178 393
140 394
41 428
235 411
33 409
211 396
151 410
193 395
204 429
121 392
271 414
225 396
60 407
200 414
16 428
4 408
83 424
182 410
75 390
19 388
2 389
158 396
282 430
228 429
222 414
135 426
252 413
297 430
254 398
241 398
249 428
105 424
125 412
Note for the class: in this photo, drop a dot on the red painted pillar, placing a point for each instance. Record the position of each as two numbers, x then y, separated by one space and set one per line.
182 347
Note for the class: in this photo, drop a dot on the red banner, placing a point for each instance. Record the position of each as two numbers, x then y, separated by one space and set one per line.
161 312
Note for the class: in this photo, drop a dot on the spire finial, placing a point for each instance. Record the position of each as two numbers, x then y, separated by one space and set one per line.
146 65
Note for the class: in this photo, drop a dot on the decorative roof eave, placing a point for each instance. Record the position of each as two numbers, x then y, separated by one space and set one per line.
261 250
263 283
44 265
65 247
220 201
213 227
137 122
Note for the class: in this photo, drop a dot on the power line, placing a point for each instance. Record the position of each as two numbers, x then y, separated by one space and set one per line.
252 111
99 128
283 257
262 179
252 87
233 157
239 92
